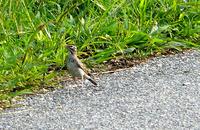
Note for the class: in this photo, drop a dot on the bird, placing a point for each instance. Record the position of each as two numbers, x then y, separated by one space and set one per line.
75 67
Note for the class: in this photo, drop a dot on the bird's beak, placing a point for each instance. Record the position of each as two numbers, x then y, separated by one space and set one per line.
67 46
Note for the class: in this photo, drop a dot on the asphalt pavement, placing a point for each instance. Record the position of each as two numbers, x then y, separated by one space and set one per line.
163 93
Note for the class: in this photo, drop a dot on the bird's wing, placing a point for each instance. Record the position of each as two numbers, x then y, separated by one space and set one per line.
81 65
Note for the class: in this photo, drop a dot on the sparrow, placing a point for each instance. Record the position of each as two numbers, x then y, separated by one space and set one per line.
75 67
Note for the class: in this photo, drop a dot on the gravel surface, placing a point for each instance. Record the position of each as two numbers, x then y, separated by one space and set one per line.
163 93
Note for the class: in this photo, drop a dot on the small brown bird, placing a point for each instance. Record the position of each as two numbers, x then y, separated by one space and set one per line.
76 67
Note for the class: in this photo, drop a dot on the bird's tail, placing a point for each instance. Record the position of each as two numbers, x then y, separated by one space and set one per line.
91 80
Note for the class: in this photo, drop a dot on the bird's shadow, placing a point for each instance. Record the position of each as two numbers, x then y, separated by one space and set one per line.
71 89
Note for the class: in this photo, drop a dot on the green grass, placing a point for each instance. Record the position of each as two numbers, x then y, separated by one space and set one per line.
33 35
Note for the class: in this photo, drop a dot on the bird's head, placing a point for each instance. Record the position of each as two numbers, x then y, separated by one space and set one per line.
72 49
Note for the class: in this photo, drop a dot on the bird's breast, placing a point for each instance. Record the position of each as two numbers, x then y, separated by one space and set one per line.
74 70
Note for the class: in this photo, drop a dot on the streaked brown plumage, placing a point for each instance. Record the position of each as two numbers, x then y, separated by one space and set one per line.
76 67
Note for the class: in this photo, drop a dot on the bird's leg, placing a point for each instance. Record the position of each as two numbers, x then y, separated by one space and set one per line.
74 78
82 79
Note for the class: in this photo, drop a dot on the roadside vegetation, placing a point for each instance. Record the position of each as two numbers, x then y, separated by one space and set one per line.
33 35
